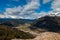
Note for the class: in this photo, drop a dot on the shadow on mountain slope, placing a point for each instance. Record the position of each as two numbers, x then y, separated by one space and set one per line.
14 22
48 23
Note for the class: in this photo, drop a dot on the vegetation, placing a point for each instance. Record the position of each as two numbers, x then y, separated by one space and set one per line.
47 23
7 33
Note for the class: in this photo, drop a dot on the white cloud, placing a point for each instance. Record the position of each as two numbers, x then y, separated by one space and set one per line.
33 15
31 6
55 12
45 1
56 4
27 11
13 11
42 14
56 8
2 16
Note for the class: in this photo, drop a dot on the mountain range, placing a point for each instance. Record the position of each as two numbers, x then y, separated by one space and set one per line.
43 24
14 22
48 23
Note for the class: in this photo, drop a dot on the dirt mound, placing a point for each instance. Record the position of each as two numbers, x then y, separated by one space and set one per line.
48 36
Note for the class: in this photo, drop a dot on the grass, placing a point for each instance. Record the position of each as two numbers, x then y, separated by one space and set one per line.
7 33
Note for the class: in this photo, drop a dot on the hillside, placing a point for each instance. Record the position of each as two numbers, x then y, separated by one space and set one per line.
47 23
14 22
43 24
7 33
47 28
34 29
48 36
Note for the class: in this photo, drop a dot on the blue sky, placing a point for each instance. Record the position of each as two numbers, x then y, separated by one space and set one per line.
11 3
28 9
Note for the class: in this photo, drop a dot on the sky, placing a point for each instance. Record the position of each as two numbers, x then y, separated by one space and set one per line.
28 9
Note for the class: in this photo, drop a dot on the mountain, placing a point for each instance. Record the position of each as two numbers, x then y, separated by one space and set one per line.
14 22
7 33
54 13
47 23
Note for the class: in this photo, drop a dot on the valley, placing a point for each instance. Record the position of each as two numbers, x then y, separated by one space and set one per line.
46 24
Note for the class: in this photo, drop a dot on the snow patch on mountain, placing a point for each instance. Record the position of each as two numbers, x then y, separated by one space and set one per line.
55 12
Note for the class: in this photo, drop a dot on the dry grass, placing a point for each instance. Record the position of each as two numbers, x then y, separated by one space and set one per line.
48 36
45 36
26 28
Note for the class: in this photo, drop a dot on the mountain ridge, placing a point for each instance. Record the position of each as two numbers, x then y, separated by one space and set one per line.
48 23
14 22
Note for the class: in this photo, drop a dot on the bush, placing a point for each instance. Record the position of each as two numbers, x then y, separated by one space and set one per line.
7 33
